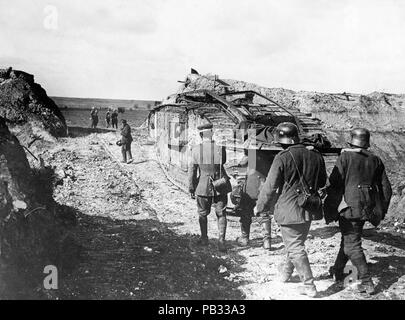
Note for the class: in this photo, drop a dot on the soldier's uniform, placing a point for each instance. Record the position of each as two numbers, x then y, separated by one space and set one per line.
359 178
258 164
278 196
108 118
114 119
126 140
94 117
206 164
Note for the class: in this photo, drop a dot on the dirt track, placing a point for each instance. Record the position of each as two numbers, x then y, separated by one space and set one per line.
137 231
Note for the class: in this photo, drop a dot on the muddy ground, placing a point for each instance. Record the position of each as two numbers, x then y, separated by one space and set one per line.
137 233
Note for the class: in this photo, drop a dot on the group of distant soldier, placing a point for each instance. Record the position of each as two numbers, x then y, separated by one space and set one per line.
111 118
293 187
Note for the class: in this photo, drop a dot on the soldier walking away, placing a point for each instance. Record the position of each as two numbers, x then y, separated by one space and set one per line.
359 191
94 117
280 196
108 118
206 169
258 165
114 119
126 140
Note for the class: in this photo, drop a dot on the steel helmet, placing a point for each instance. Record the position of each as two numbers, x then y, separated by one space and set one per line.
287 133
360 137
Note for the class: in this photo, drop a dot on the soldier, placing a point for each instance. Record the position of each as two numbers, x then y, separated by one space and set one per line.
359 178
126 140
114 119
258 165
279 195
94 117
207 159
108 118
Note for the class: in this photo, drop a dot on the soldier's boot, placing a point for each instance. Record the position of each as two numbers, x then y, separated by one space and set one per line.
203 241
243 240
124 156
366 284
129 156
286 270
308 287
337 270
266 225
222 222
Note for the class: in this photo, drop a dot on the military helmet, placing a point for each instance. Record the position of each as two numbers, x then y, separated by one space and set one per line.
360 137
287 133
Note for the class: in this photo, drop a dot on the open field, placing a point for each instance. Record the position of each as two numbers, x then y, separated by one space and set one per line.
86 103
81 117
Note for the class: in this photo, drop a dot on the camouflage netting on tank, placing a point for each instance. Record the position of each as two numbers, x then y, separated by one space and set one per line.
29 112
32 227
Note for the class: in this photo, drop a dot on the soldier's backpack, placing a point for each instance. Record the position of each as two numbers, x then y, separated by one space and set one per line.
318 140
308 198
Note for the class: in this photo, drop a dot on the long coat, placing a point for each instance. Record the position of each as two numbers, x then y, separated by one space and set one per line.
278 195
359 177
257 163
206 162
126 136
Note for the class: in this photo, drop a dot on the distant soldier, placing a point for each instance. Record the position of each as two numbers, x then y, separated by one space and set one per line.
94 117
114 119
360 190
279 195
108 118
126 140
205 169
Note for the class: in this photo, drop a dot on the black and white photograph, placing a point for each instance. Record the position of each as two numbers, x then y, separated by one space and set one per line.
202 155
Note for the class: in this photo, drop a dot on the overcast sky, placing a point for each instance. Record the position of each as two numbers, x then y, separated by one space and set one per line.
139 49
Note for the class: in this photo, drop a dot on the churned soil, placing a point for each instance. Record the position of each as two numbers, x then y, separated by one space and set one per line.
137 237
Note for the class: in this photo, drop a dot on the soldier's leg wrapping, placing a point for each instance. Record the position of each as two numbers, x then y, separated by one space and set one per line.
340 263
203 208
124 152
245 222
294 237
129 153
286 269
220 202
352 231
265 221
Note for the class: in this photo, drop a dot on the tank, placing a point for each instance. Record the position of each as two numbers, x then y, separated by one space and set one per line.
242 121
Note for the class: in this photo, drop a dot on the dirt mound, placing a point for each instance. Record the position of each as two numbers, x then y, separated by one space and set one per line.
29 112
32 227
378 111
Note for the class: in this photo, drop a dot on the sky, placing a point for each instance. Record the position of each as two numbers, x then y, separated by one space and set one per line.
138 49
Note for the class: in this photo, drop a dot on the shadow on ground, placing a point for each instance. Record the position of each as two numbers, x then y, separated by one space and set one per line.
144 259
388 269
388 238
324 232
